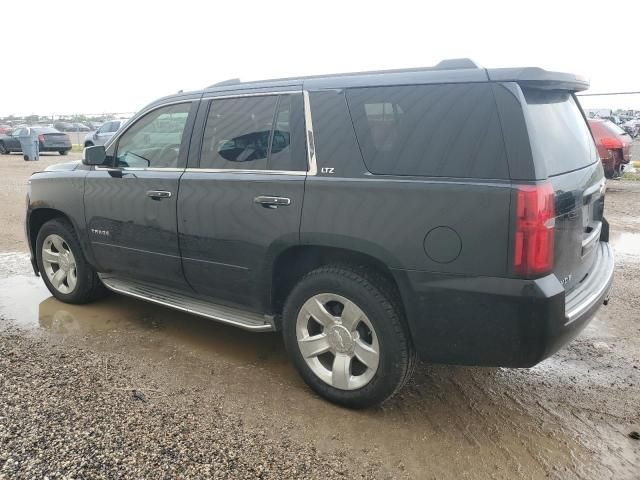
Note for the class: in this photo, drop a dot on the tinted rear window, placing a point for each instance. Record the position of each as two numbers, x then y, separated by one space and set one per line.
429 130
559 133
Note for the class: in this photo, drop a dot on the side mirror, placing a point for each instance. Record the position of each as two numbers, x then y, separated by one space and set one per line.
95 155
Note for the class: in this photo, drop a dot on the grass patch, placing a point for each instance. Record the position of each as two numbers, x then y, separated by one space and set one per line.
636 164
77 147
633 176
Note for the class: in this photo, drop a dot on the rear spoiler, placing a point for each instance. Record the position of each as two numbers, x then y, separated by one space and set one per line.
539 78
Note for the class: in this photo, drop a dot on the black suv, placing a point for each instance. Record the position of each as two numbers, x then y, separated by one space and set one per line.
452 212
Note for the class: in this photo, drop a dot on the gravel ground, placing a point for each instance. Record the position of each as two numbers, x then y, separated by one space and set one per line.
125 389
70 414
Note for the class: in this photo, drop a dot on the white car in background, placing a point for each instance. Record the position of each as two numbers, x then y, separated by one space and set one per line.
104 133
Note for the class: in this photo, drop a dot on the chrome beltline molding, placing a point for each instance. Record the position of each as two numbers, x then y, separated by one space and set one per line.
309 138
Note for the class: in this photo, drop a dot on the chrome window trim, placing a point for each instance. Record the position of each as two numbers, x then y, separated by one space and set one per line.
139 169
312 168
310 137
311 159
263 172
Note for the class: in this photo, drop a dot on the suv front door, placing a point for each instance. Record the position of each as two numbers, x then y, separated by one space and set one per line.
240 203
130 202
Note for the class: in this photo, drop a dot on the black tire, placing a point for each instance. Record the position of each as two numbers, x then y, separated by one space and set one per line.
377 299
88 286
88 144
63 152
3 149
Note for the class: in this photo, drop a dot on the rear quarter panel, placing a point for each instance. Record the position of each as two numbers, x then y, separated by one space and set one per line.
388 216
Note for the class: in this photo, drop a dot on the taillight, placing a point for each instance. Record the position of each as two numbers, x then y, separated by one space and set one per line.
611 142
41 138
535 230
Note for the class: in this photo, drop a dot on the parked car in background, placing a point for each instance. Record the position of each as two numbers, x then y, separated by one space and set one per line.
613 144
632 127
49 139
104 133
5 128
71 127
80 127
63 126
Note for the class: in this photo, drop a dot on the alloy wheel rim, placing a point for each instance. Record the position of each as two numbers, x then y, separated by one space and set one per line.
337 341
59 264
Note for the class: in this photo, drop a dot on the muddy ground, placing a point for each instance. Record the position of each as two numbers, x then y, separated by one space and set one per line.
121 388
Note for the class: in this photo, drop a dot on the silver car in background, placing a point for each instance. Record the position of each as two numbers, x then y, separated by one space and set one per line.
104 133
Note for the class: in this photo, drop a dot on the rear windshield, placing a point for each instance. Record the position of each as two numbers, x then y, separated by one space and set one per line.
559 133
429 130
45 130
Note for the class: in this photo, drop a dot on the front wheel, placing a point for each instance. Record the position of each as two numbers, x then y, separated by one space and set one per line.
3 149
63 152
345 333
62 265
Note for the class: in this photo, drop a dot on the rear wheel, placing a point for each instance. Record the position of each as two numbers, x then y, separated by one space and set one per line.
3 149
343 329
62 265
63 152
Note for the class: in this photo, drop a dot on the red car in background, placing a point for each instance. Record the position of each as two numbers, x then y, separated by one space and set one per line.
5 128
614 146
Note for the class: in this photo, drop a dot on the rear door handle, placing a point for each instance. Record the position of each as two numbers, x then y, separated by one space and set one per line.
158 194
272 202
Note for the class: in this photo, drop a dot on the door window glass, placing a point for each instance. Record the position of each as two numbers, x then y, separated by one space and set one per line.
154 140
280 156
238 132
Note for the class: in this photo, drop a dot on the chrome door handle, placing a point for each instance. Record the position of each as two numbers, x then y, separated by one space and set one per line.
158 194
272 202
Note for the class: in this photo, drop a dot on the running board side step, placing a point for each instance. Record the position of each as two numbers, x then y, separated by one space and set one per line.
186 303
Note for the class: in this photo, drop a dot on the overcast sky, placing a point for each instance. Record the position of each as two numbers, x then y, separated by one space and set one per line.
116 56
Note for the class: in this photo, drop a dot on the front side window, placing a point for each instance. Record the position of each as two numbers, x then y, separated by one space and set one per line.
154 140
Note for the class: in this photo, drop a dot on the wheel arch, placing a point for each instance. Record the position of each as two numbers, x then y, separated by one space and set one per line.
36 219
296 261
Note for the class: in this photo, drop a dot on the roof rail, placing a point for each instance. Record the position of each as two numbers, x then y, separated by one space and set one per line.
456 63
231 81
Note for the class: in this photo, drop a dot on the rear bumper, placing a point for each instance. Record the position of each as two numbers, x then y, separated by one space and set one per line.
494 321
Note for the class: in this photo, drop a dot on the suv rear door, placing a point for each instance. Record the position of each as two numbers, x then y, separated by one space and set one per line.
240 202
130 203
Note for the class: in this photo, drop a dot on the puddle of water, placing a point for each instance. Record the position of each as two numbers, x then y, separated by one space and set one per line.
26 302
626 243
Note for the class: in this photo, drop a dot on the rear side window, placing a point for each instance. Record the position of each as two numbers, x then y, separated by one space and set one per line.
429 130
559 133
